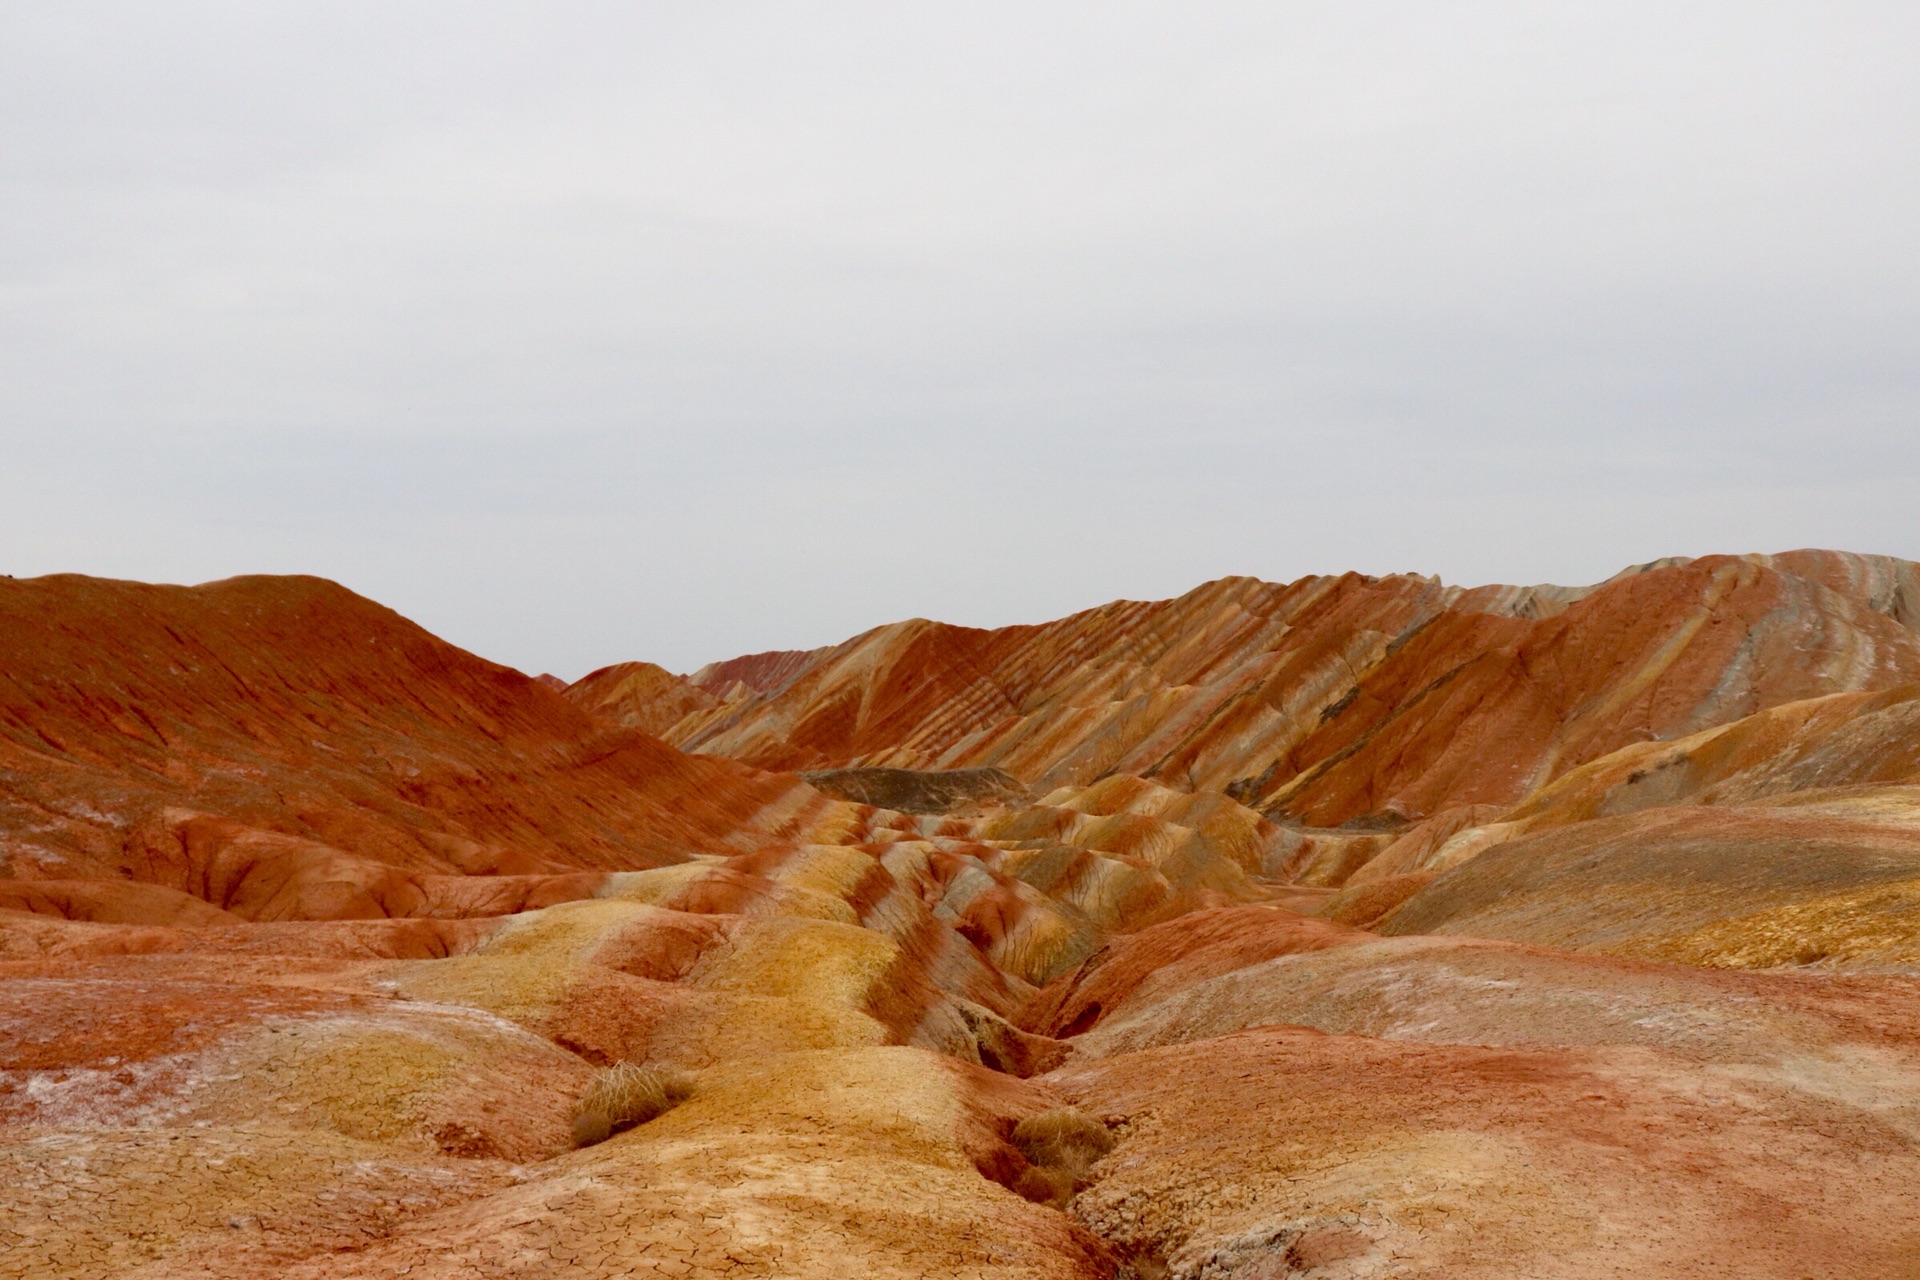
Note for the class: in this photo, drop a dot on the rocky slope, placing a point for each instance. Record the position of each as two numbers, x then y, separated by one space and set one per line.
1352 928
283 749
1339 700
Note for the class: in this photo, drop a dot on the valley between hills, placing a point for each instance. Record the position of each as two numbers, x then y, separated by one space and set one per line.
1354 927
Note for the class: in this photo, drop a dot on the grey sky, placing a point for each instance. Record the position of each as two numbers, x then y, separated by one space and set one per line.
581 332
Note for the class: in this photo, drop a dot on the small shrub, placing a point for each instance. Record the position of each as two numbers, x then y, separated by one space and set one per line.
625 1095
1063 1138
1061 1146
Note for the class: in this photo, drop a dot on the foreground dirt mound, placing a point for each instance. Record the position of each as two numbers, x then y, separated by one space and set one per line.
215 1101
1282 1151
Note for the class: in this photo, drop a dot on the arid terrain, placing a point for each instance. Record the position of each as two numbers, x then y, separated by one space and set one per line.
1355 927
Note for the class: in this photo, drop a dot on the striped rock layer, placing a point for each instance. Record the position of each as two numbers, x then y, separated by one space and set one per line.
1331 701
1352 928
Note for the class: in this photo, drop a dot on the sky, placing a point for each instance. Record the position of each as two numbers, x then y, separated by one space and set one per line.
583 332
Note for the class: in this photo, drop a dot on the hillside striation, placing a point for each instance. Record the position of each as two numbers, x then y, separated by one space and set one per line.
1350 928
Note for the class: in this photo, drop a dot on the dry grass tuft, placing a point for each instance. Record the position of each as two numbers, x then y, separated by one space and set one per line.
1061 1145
1062 1137
625 1095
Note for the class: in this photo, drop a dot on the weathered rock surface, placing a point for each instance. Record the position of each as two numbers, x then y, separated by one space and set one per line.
922 790
1286 1151
1334 700
640 695
282 748
1387 930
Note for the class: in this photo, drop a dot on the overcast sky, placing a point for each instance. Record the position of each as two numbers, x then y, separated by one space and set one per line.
581 332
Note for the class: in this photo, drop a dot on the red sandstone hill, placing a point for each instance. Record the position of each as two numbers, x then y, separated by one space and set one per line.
640 694
294 742
1334 700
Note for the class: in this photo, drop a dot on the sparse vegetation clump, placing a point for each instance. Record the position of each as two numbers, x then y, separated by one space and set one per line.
624 1095
1061 1145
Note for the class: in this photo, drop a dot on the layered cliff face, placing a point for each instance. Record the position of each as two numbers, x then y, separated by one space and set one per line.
1332 701
1352 928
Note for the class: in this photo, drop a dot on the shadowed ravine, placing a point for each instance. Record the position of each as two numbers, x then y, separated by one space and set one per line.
1357 927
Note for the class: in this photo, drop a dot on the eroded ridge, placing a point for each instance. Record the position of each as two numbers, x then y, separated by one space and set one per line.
1353 928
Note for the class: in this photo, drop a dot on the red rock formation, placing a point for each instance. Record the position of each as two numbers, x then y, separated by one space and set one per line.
313 929
760 672
641 695
1335 700
1280 1150
282 741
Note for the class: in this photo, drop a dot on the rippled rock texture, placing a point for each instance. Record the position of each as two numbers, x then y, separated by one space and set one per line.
1358 927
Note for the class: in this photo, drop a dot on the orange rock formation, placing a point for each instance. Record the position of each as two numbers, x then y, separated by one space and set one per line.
1387 929
1335 700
